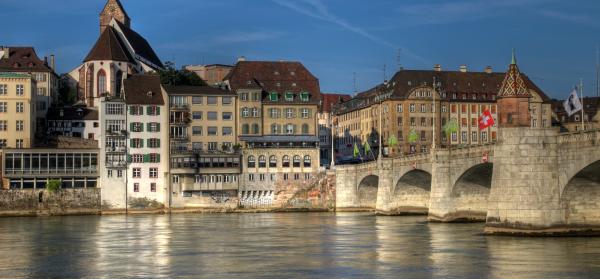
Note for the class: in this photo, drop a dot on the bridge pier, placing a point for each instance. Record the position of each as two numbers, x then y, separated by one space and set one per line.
525 193
441 205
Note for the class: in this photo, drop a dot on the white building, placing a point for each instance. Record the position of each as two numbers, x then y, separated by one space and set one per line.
75 121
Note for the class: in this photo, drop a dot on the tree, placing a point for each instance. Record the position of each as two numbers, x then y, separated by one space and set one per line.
53 185
67 94
171 76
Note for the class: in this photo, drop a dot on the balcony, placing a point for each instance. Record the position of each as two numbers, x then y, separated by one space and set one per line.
116 164
179 138
206 186
180 120
116 133
116 149
179 106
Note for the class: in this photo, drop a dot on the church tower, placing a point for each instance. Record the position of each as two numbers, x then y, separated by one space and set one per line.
513 98
113 9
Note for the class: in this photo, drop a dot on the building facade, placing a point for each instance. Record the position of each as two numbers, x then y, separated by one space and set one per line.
204 154
18 112
409 112
73 121
325 124
277 127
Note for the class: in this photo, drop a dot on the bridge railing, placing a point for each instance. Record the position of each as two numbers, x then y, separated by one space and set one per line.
589 137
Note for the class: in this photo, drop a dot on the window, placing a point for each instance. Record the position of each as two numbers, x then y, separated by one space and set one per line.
399 108
227 131
175 178
261 177
484 136
19 125
463 136
251 162
255 129
137 158
473 122
262 161
153 172
423 136
285 162
153 110
400 120
136 110
423 121
197 130
296 162
274 112
212 146
286 176
296 176
473 136
3 107
136 187
289 129
245 129
454 136
136 143
101 82
305 128
19 106
305 113
153 143
272 161
533 123
304 96
109 173
244 96
273 96
226 100
289 113
115 109
197 115
136 127
274 128
289 96
196 100
3 89
412 107
152 187
251 177
20 89
211 100
307 162
19 143
212 115
137 173
119 173
413 122
423 108
245 112
227 116
212 131
255 112
153 127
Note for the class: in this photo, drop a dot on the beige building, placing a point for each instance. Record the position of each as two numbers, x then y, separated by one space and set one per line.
204 155
407 105
213 74
277 105
17 110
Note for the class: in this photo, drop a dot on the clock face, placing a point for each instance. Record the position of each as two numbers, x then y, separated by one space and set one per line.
112 9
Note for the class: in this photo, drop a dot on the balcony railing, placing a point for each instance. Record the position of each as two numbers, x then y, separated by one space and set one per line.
180 120
115 149
179 106
120 133
116 164
179 137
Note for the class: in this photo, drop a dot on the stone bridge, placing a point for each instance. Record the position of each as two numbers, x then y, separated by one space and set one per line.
530 181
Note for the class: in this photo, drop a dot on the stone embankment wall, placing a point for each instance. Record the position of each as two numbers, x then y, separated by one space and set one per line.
32 202
317 195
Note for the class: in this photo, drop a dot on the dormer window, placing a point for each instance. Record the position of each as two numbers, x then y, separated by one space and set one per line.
276 73
273 96
304 96
289 96
249 82
409 83
278 84
294 84
292 73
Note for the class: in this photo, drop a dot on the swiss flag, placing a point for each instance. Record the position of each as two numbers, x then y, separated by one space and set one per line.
485 120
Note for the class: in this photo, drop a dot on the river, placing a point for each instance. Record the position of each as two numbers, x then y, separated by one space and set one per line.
284 245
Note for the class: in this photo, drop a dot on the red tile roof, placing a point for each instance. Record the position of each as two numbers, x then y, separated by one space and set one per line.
109 47
143 89
330 100
23 59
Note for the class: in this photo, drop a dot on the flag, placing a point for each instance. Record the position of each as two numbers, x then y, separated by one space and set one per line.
356 152
392 141
367 147
572 104
486 120
451 126
412 136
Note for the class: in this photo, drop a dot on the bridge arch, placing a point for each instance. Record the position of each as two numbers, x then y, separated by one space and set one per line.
367 191
411 192
470 192
581 196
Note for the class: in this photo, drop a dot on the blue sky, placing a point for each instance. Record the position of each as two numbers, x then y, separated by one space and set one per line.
555 40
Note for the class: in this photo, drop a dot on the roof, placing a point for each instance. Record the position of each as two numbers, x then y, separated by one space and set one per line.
72 113
140 46
23 59
457 86
196 90
330 100
590 107
143 89
283 138
109 47
513 84
274 76
120 7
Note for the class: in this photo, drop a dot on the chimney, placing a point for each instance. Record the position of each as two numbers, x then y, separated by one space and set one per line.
437 68
52 62
463 68
242 58
488 69
45 60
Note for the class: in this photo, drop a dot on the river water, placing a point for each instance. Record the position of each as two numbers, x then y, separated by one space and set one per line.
285 245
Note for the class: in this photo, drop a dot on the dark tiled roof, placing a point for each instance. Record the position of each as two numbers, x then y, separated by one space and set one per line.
273 76
140 46
196 90
330 100
590 107
72 113
109 47
143 89
484 86
23 59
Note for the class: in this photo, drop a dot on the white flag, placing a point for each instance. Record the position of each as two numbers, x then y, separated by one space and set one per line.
572 104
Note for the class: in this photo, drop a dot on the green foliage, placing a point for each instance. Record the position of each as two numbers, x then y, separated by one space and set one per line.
451 126
171 76
66 94
53 185
412 136
392 141
144 203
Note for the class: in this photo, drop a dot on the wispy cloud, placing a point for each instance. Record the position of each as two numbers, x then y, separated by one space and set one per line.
573 18
316 9
243 37
231 38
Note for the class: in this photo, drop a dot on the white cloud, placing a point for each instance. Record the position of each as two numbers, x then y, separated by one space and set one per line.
574 18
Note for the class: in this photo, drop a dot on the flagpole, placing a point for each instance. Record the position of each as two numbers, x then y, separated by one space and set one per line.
582 106
434 115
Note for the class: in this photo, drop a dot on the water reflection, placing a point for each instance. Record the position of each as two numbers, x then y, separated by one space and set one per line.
345 245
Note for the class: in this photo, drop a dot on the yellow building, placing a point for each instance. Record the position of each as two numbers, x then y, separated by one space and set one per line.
17 110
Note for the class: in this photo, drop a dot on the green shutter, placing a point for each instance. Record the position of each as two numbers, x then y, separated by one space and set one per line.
131 143
131 110
157 110
158 143
141 143
146 158
158 127
131 126
148 126
129 158
157 158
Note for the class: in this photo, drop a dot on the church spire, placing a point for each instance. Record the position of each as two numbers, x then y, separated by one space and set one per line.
113 9
513 84
514 59
513 98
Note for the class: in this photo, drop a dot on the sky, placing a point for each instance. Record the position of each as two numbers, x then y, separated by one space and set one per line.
347 44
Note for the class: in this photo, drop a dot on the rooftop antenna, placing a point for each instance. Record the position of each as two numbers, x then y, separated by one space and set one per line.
354 81
384 74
